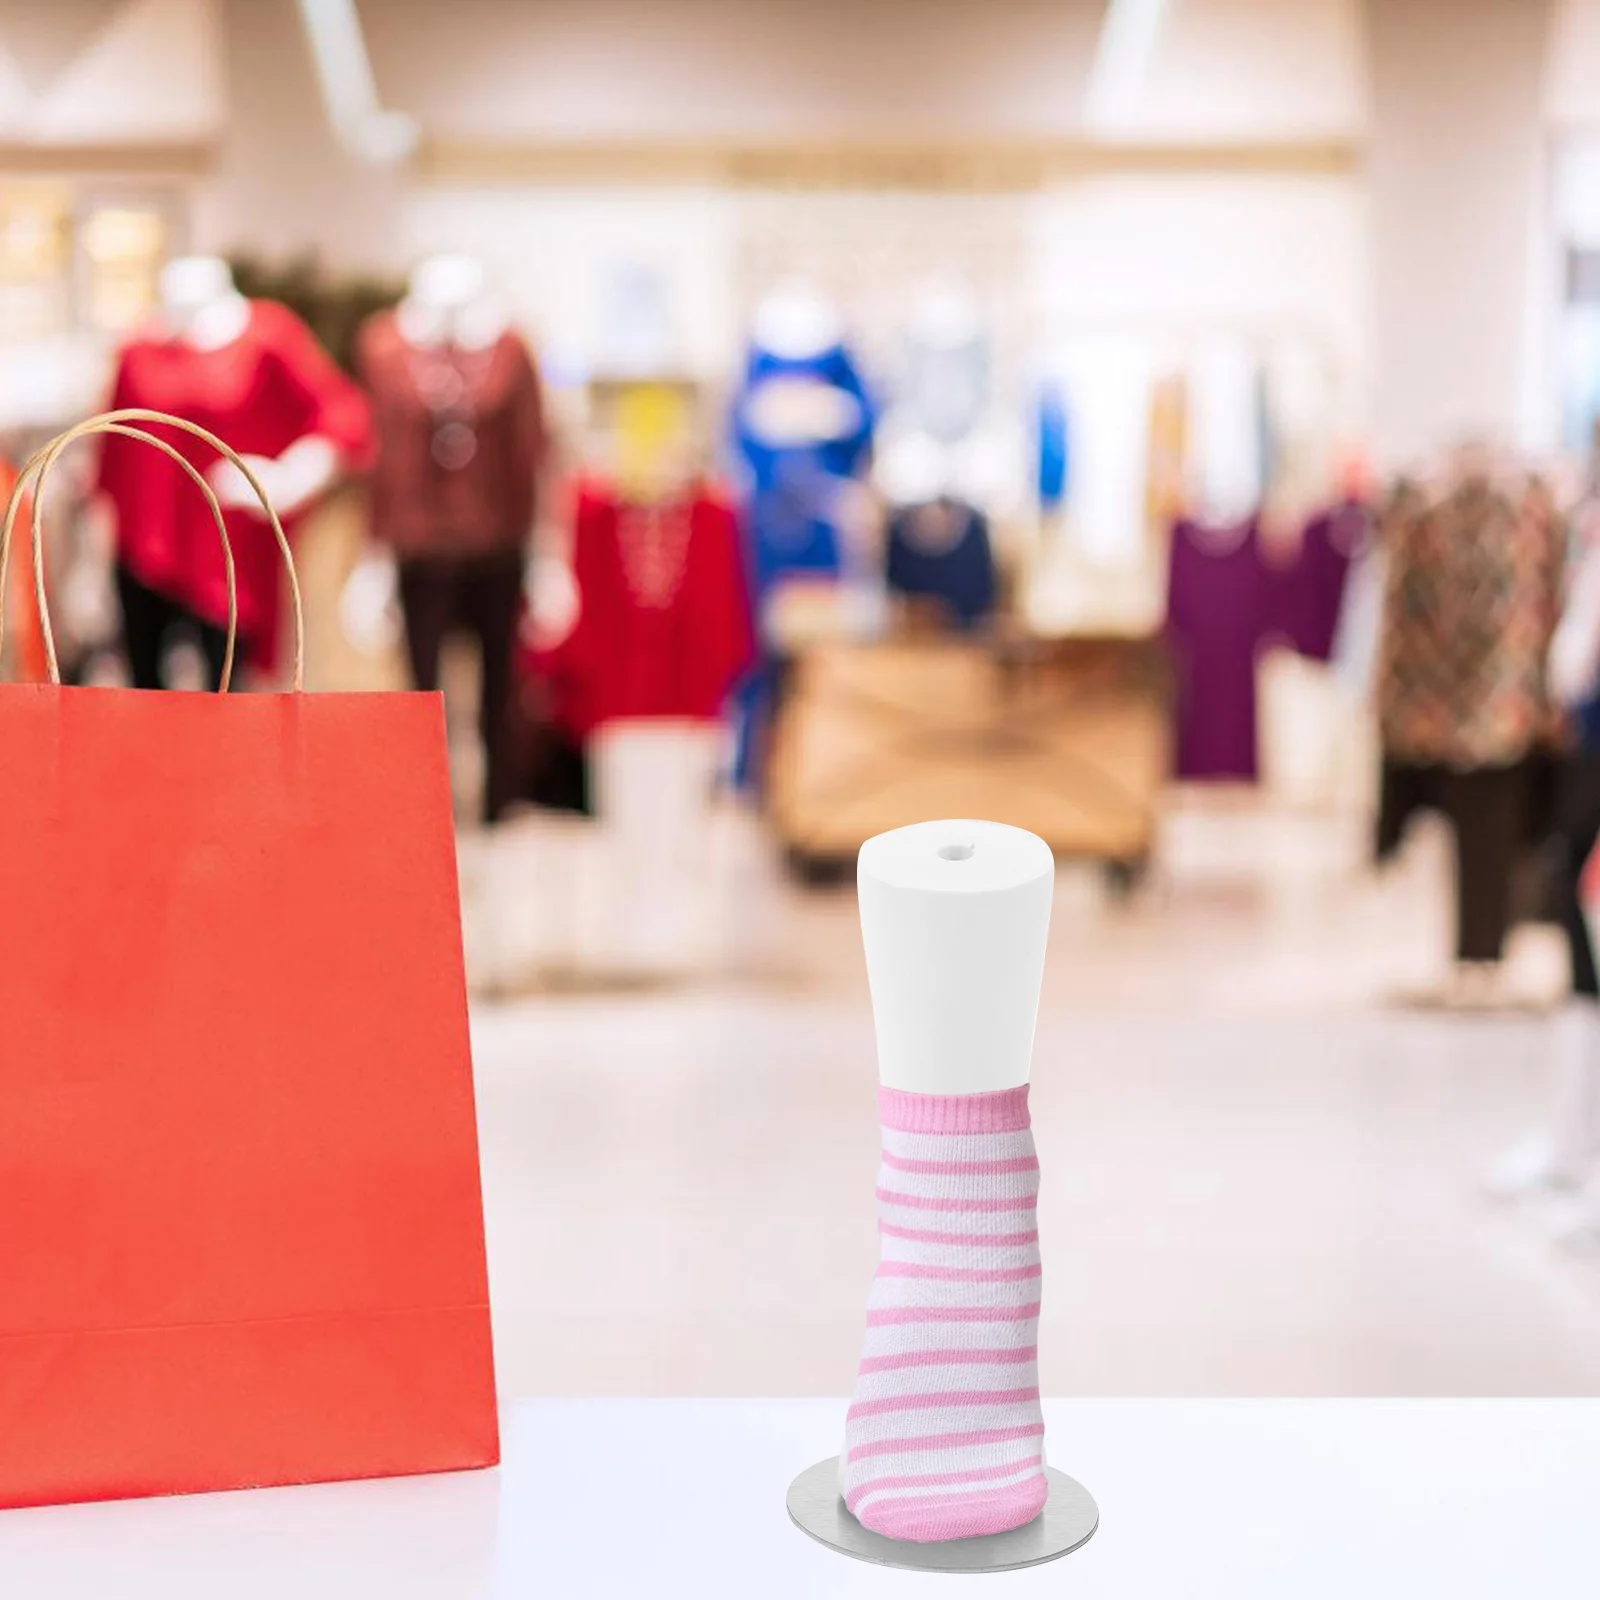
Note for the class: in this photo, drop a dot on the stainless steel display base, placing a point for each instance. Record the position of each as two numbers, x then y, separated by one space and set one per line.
1068 1520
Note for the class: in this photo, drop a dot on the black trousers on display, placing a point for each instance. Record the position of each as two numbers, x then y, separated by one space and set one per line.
556 772
1577 826
151 622
480 595
1490 812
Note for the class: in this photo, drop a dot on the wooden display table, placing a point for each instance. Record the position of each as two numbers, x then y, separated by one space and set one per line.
1069 739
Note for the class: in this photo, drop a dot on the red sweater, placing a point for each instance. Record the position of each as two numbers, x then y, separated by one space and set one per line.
663 627
270 387
491 403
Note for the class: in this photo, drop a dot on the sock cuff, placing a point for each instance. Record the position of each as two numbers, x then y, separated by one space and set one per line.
994 1111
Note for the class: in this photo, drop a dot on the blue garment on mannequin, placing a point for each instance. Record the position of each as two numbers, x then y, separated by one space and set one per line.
794 484
793 501
840 455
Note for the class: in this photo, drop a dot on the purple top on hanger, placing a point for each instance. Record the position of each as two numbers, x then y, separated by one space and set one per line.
1314 585
1222 606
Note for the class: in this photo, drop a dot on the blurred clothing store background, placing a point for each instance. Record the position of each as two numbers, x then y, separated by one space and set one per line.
1171 426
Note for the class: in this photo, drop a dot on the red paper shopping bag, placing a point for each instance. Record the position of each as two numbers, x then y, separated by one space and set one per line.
241 1236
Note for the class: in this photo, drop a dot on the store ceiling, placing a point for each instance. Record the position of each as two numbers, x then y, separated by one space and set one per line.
42 40
549 78
619 69
109 75
534 71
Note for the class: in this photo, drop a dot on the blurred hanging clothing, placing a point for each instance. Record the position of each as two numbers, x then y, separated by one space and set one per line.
1298 414
1054 446
802 425
941 551
803 428
944 383
1229 599
1473 586
265 390
461 447
1313 731
1107 375
1166 489
1316 582
1226 435
1222 608
663 624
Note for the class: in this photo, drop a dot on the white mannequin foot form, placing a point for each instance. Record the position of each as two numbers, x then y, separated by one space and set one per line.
945 1438
955 916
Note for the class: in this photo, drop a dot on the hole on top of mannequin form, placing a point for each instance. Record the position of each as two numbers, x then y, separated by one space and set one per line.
955 852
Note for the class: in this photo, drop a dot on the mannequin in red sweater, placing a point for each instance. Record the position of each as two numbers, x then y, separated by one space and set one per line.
663 625
461 452
254 374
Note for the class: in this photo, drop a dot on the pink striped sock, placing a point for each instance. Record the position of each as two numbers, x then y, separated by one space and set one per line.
944 1438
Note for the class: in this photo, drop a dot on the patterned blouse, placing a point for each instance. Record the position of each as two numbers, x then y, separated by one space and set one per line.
1473 597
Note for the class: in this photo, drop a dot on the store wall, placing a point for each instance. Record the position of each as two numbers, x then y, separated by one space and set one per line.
1456 173
1161 265
1572 92
561 255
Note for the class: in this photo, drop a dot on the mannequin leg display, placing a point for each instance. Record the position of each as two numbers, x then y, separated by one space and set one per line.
943 1467
150 621
1488 807
1561 1154
482 594
146 619
428 605
944 1437
490 600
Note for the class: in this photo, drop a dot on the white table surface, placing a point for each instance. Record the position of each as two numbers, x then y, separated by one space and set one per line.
1295 1500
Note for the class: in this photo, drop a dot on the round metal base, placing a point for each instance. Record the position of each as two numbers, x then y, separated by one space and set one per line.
1068 1520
